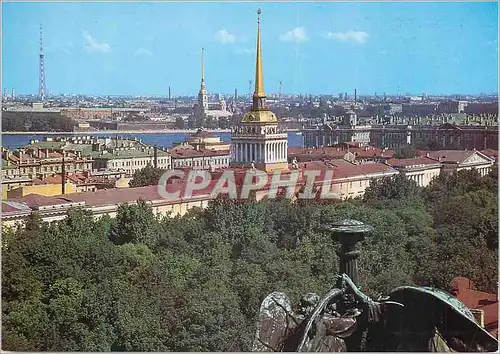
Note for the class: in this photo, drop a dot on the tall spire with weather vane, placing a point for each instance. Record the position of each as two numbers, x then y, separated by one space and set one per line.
202 68
203 94
41 73
259 95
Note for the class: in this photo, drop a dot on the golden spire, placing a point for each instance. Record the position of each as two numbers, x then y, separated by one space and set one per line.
202 68
259 93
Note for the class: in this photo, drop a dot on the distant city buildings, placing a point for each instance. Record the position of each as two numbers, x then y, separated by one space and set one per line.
349 140
442 136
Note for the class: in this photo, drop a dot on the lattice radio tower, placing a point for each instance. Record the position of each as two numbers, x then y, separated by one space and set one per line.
41 78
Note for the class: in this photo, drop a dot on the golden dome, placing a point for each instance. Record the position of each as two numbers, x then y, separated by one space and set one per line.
259 117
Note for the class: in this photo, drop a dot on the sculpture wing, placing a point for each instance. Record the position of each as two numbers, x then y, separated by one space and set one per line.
430 317
318 311
275 323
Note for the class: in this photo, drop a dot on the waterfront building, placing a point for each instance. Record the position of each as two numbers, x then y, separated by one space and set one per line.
331 134
130 160
443 136
394 136
101 154
25 163
259 141
204 140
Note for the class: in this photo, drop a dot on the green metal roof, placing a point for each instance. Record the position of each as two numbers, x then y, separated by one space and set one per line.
46 145
127 154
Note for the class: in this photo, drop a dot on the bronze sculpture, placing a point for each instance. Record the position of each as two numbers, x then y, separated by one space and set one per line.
410 318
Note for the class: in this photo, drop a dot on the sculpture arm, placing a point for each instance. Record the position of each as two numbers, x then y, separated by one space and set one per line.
374 308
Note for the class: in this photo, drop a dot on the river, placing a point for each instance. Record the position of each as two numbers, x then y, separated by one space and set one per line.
15 141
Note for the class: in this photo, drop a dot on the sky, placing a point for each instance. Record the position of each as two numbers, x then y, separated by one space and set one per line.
127 48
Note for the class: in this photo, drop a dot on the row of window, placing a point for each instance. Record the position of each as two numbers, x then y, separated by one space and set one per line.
56 168
143 163
199 163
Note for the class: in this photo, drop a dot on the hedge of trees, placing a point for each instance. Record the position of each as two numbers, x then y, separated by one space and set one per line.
36 122
141 282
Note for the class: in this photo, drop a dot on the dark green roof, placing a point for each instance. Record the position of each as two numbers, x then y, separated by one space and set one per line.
125 154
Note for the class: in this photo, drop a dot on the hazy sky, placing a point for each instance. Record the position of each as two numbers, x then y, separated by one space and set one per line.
318 48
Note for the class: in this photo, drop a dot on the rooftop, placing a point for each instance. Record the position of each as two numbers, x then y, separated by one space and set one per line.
412 162
457 156
463 289
181 151
344 169
127 154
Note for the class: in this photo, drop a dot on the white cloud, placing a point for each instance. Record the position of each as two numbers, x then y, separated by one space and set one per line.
245 51
297 35
350 36
143 52
225 37
91 45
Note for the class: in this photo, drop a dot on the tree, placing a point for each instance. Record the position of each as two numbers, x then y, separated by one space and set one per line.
223 123
179 123
147 176
36 121
135 223
139 282
407 152
390 189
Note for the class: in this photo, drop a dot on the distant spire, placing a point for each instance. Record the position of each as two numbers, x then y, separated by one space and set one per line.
202 68
259 95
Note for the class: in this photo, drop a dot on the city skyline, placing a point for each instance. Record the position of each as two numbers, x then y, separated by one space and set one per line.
143 48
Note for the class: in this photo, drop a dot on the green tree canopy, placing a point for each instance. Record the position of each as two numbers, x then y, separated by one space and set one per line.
141 282
147 176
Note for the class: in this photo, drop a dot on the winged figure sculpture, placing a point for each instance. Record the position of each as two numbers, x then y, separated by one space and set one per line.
411 318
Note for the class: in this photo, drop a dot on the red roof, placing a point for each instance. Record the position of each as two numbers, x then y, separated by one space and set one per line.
34 200
341 169
125 195
462 288
308 154
345 169
412 162
9 208
491 153
457 156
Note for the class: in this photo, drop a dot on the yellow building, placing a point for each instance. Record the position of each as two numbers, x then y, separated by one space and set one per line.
4 192
259 141
48 190
422 170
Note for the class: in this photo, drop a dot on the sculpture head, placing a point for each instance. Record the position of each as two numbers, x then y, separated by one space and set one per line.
307 303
